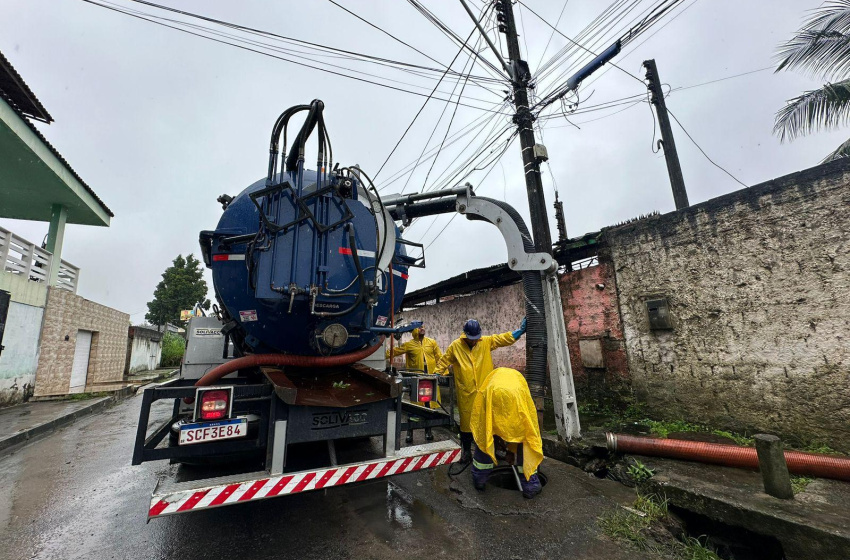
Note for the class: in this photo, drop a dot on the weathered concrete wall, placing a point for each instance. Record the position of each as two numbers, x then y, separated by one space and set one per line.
758 284
65 314
19 360
593 323
23 290
144 350
500 310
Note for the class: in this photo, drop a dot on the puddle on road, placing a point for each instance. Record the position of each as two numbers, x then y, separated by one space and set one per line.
390 510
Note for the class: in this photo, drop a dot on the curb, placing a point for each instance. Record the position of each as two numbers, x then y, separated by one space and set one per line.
10 444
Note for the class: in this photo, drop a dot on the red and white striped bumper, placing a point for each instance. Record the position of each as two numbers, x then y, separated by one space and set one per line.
210 493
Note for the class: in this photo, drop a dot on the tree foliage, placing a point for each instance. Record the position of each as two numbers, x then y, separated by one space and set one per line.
182 287
821 48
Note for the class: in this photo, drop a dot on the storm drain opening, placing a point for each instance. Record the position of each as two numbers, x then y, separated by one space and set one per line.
727 541
503 477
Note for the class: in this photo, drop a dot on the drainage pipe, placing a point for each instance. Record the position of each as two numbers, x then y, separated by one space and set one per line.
255 360
532 283
811 464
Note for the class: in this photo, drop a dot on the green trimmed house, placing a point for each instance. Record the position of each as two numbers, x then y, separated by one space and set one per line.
52 342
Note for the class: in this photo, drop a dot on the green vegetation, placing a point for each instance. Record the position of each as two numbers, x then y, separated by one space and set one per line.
818 48
173 347
817 447
640 472
86 396
182 287
799 483
635 525
696 550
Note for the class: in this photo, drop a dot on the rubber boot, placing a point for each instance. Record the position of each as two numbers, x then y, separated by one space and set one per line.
530 487
482 467
466 447
409 438
429 436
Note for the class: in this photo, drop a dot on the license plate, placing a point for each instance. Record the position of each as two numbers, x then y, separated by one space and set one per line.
213 431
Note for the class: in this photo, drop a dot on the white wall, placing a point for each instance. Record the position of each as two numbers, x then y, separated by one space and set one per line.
144 354
19 360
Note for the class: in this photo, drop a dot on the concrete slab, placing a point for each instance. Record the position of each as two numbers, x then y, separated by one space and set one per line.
813 525
27 421
145 377
499 523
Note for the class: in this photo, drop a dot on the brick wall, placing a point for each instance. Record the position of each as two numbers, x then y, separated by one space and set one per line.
64 315
758 284
589 297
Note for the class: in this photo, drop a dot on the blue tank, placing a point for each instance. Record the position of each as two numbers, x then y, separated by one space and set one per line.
284 260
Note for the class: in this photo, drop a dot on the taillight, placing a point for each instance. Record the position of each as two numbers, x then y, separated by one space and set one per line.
425 390
214 405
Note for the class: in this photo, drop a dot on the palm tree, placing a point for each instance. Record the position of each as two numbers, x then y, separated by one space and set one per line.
821 48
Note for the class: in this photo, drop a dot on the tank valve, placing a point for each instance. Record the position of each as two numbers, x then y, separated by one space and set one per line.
293 291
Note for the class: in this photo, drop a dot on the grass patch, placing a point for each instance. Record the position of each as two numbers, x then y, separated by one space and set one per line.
637 528
86 396
694 549
817 447
799 483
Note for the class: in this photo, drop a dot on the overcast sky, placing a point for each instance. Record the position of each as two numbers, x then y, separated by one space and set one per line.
159 123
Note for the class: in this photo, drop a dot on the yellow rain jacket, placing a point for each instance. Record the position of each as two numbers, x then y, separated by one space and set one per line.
471 367
503 407
418 353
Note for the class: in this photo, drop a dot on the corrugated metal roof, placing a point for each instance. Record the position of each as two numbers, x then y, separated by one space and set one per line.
12 90
16 89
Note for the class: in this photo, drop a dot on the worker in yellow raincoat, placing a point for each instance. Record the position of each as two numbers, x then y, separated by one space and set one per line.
421 354
471 360
503 408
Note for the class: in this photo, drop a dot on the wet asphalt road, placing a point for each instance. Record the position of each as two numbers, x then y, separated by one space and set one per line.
74 494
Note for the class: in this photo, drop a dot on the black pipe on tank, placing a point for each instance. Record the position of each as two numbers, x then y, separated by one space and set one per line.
297 150
419 209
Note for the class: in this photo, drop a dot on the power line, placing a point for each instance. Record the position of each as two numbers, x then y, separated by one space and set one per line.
446 30
479 122
492 167
422 108
551 35
703 151
682 88
387 33
249 49
348 54
436 125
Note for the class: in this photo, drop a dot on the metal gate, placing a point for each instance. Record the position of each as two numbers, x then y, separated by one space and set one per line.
80 369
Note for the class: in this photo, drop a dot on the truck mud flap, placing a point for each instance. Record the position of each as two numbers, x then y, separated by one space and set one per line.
168 499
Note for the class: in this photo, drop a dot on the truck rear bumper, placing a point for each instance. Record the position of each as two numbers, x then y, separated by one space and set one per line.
170 498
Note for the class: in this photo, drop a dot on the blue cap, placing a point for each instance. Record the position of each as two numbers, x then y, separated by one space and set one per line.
472 329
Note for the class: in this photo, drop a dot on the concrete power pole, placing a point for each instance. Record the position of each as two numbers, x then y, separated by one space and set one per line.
677 181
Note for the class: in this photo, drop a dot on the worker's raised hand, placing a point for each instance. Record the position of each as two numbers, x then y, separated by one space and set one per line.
521 330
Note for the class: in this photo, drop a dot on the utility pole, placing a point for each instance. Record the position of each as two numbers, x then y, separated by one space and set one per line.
520 78
677 181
